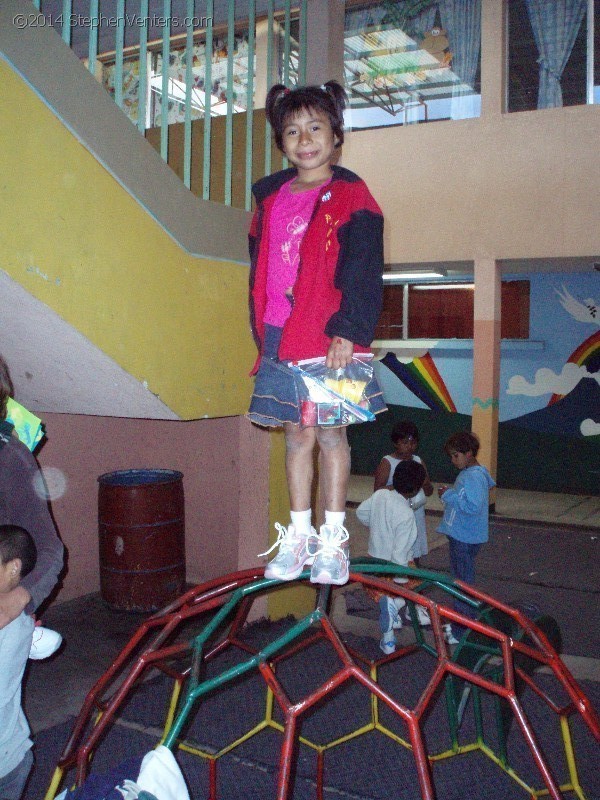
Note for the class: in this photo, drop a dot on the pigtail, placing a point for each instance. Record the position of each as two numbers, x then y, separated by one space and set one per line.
337 93
274 97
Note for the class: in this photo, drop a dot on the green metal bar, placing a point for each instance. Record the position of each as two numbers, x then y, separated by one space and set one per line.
208 50
286 43
143 72
67 8
189 85
164 102
237 671
269 74
302 43
250 102
476 697
119 44
93 36
36 4
229 118
451 709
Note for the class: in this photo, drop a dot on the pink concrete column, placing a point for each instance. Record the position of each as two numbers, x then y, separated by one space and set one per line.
486 359
325 41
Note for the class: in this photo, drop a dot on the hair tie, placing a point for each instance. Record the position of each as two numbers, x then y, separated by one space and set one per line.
286 90
323 87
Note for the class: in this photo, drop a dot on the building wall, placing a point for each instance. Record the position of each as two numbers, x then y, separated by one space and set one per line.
76 240
513 186
549 400
225 467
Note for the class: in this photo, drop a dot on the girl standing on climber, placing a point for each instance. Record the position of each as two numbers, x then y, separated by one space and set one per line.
316 251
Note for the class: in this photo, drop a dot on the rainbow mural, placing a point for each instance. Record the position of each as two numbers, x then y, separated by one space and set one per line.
586 355
422 378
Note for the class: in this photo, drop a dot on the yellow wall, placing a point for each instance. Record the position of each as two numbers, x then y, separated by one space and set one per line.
75 239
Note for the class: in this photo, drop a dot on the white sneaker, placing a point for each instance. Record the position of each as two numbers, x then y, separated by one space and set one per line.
389 618
388 643
422 616
331 559
44 643
295 550
449 637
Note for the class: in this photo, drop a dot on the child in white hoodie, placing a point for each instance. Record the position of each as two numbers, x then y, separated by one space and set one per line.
391 520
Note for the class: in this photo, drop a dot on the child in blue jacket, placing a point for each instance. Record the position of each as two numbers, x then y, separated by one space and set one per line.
466 516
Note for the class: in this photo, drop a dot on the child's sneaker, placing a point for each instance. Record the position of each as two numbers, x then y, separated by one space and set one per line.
295 550
389 617
388 643
331 559
449 637
422 616
45 642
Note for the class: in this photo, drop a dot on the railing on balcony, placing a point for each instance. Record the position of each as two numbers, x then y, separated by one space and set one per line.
192 82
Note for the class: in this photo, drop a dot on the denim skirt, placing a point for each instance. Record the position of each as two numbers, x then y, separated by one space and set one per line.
276 399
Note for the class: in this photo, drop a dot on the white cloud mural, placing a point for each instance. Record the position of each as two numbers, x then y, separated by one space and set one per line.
590 428
548 382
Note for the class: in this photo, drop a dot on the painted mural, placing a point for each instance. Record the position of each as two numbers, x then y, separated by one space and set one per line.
549 398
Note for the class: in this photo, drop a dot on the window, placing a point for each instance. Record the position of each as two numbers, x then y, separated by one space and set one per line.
408 61
551 59
445 311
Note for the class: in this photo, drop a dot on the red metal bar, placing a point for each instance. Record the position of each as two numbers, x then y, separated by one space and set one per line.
529 737
421 761
286 759
431 688
212 779
320 773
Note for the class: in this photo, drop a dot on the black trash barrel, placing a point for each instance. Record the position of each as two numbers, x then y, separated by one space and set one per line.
141 530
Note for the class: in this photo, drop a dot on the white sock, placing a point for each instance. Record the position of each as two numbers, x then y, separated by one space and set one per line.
301 521
335 518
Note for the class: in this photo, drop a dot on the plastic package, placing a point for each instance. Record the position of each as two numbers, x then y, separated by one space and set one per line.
333 396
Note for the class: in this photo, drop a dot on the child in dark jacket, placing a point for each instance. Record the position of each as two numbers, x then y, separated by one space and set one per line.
466 515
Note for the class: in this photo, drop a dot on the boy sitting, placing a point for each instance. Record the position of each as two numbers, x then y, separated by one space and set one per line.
390 518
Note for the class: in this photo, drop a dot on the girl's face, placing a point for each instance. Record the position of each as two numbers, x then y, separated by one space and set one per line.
406 447
309 143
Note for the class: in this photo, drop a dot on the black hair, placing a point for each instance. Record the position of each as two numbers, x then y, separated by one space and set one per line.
16 542
6 388
402 430
283 103
462 442
409 477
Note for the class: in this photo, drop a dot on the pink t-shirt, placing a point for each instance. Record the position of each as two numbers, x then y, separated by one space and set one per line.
290 216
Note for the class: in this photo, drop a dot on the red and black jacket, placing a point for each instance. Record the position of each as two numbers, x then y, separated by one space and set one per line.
338 290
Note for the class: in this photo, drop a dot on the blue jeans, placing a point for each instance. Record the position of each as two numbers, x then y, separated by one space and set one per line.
462 563
12 785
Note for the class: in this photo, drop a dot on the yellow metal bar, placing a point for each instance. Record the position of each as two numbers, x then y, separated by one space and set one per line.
349 736
57 777
570 756
394 736
171 710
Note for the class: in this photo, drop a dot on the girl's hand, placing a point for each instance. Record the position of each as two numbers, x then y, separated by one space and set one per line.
340 353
